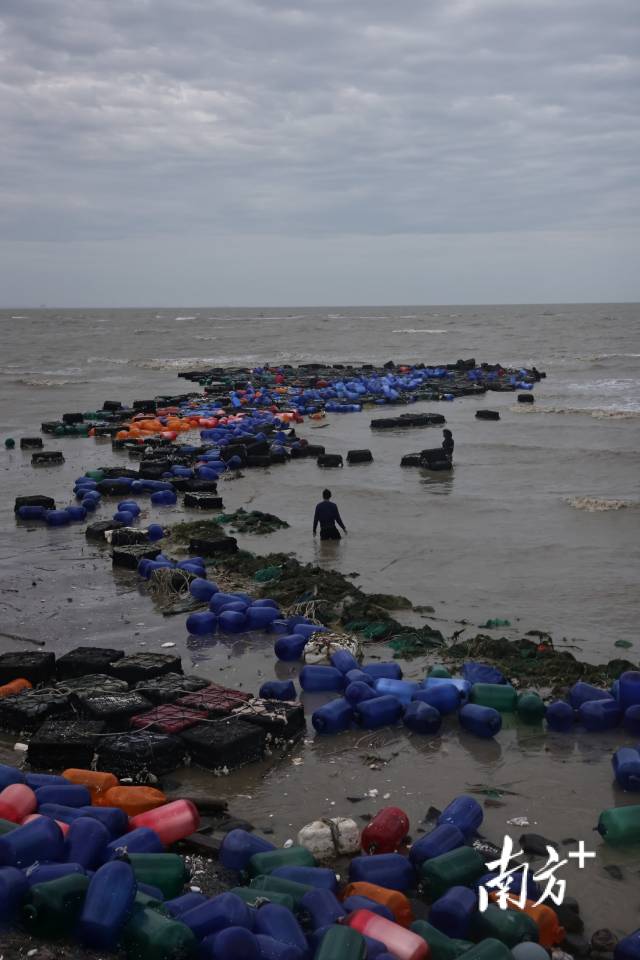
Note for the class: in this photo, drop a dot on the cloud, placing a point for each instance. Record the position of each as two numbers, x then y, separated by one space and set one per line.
126 119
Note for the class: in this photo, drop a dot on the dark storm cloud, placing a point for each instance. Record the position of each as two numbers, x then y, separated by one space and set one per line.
123 118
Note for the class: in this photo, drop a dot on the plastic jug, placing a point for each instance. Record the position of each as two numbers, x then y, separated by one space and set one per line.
344 661
499 696
13 890
483 722
597 715
35 780
389 669
333 717
629 689
403 690
225 910
465 813
402 943
387 830
232 943
254 897
17 801
381 712
263 863
322 907
150 936
509 926
357 691
107 906
85 842
168 871
319 678
278 690
550 933
359 676
275 921
116 821
441 946
321 877
459 867
40 840
97 783
616 825
438 670
141 840
632 720
351 904
626 768
186 901
628 948
290 647
560 716
15 687
530 707
270 884
10 775
393 900
132 800
389 870
342 943
441 839
69 795
445 698
38 816
51 910
239 846
452 912
172 822
422 718
271 949
43 872
582 692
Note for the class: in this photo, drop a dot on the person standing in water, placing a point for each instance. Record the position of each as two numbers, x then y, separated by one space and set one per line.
327 515
448 444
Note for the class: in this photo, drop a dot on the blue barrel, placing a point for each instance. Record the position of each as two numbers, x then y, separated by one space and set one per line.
89 505
321 877
232 943
239 846
85 842
381 712
582 692
225 910
344 661
44 872
186 901
278 690
38 840
422 718
219 600
155 532
124 516
164 498
628 948
462 686
626 768
356 902
275 921
107 905
31 513
57 518
232 621
201 623
202 589
484 722
357 691
36 780
320 679
442 839
377 671
271 949
131 506
57 811
390 870
445 698
261 618
77 513
333 717
323 907
452 913
307 629
560 716
10 775
13 890
465 813
113 818
402 690
266 602
632 720
629 689
359 676
140 840
69 795
597 715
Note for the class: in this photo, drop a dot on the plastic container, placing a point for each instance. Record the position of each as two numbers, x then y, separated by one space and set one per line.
394 901
133 800
355 676
560 716
11 690
275 921
115 820
85 842
172 822
629 689
357 691
13 890
617 825
484 722
141 840
232 943
10 775
626 768
452 912
530 708
508 926
422 718
37 816
550 933
232 621
499 696
43 872
459 867
51 910
40 840
402 943
598 715
381 712
351 904
17 801
71 795
342 943
402 690
151 936
582 692
489 949
201 623
333 717
225 910
390 870
387 830
322 907
107 906
97 783
445 698
442 839
295 856
321 877
319 678
465 813
254 897
186 901
278 690
290 647
344 661
628 948
377 671
239 846
441 946
167 871
267 884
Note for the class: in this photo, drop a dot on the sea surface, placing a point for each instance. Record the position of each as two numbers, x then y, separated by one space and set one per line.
538 523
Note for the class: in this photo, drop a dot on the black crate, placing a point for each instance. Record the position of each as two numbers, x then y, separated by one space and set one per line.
36 667
47 458
185 485
31 443
145 666
211 548
141 755
97 530
28 710
203 501
86 660
169 688
59 744
127 537
115 709
93 683
280 720
224 743
37 500
129 557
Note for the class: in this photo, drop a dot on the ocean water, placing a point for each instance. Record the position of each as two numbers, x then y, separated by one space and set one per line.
538 523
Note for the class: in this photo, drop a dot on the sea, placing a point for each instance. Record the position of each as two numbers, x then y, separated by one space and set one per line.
537 524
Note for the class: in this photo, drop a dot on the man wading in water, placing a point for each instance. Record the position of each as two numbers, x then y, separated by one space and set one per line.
327 515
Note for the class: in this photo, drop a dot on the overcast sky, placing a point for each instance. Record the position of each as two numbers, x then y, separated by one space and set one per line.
258 152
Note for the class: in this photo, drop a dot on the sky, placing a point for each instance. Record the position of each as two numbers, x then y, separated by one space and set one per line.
264 152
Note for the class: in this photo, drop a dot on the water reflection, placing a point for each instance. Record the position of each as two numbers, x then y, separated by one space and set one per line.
438 482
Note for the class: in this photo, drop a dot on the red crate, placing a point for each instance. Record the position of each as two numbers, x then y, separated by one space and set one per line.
169 718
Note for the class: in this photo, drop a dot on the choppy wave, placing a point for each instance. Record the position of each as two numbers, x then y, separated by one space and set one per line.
599 504
29 381
610 356
119 361
203 337
602 413
421 330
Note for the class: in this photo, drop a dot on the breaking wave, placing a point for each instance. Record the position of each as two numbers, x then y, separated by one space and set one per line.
119 361
599 504
607 413
422 330
177 319
29 381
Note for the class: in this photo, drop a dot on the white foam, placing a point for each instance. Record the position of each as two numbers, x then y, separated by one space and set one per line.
599 504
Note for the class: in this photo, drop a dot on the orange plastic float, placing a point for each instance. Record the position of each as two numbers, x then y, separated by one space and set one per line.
97 783
16 686
393 899
133 800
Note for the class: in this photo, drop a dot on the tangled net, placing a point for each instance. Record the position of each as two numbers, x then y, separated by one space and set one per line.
167 585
